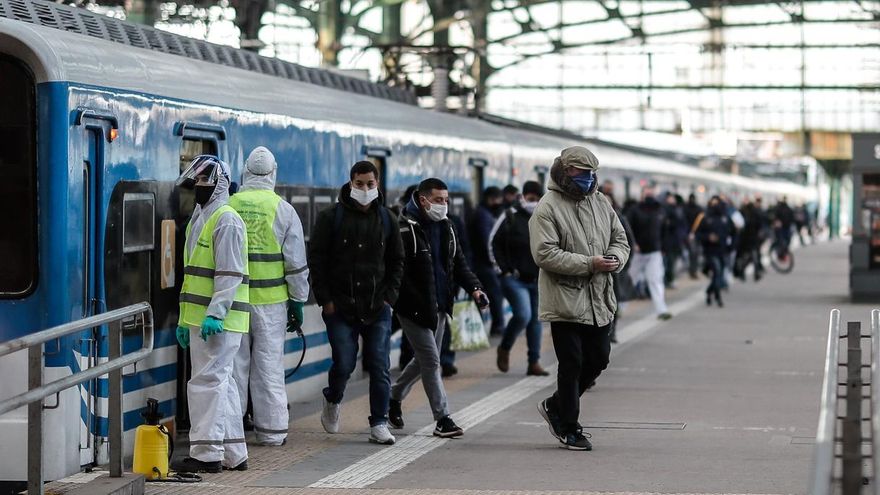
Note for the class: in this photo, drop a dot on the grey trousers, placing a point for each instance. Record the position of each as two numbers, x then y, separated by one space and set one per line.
425 364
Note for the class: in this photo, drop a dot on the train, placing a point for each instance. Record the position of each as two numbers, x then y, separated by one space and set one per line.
98 118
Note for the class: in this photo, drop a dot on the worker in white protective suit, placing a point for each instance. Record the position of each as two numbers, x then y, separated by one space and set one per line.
214 314
279 286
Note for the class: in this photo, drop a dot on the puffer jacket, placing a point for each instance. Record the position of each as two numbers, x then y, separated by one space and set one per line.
566 230
355 266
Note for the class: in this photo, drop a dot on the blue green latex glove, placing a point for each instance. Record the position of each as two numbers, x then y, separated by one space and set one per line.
183 337
211 326
295 312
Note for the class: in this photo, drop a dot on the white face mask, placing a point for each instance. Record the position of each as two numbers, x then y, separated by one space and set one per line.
364 197
436 212
529 207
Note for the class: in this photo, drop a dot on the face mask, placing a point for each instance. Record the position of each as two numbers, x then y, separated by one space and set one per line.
529 207
203 194
585 181
364 197
436 212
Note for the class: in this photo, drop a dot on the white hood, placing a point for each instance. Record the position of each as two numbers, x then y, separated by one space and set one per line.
260 170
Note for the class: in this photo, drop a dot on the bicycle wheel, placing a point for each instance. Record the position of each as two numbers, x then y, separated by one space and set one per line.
783 263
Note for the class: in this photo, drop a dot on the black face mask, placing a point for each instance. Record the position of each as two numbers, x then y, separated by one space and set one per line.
203 194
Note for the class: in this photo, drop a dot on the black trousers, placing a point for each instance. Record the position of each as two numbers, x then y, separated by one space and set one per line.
583 352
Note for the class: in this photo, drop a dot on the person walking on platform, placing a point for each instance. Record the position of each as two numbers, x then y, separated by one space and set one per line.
646 220
481 225
623 287
435 268
356 262
279 286
691 211
715 233
519 278
576 240
214 314
749 243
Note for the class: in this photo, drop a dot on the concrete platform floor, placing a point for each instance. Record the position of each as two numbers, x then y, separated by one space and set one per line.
712 401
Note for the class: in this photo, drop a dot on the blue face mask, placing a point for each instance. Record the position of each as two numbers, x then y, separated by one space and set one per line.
585 181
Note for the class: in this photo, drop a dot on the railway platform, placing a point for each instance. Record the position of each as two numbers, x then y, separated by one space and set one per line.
715 400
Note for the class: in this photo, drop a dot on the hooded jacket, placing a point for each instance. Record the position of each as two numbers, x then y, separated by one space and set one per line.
229 241
418 300
355 266
288 232
647 220
567 229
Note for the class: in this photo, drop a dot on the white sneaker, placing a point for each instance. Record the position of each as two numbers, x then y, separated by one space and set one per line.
380 434
330 417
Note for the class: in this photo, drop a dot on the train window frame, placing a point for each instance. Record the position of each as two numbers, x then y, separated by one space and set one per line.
132 197
31 238
379 155
478 178
306 201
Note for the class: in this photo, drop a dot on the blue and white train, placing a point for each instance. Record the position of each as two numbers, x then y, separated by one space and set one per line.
93 133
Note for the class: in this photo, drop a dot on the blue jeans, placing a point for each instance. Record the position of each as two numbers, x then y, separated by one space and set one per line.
716 273
523 299
343 338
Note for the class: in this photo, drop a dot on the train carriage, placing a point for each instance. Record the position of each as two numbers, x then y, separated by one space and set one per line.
94 133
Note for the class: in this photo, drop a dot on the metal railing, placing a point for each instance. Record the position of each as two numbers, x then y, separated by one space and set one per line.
875 398
128 318
823 457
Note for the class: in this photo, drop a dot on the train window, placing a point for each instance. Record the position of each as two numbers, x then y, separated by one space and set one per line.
541 174
18 186
138 222
189 149
456 206
302 206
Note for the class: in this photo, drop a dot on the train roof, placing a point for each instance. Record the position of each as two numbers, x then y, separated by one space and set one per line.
64 56
87 23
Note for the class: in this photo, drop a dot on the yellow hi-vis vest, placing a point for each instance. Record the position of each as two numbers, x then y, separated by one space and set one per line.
198 282
265 260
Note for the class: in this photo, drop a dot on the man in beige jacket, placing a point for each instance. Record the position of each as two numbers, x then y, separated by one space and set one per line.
577 241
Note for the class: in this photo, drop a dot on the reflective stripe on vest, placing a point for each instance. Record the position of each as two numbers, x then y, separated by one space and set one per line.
258 209
198 281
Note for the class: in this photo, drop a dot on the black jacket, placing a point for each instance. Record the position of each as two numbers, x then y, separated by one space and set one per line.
510 245
646 220
718 223
418 292
355 266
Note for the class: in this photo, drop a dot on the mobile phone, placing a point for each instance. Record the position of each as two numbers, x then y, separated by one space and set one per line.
610 258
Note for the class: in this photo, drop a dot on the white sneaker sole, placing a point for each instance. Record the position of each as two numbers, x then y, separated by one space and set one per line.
380 442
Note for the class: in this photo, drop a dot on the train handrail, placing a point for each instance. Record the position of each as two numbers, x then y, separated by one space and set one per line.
823 456
875 398
37 390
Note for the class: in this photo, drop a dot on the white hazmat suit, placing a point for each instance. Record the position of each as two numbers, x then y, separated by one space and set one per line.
260 359
216 432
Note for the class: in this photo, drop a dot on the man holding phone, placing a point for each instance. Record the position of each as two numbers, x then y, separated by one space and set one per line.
435 267
577 241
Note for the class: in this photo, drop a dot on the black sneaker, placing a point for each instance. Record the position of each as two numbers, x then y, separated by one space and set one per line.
446 428
448 371
576 441
241 467
395 415
192 465
551 419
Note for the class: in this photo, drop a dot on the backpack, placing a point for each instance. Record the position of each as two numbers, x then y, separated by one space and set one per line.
383 213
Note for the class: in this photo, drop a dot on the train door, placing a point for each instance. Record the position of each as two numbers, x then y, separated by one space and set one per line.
197 139
94 130
378 156
478 180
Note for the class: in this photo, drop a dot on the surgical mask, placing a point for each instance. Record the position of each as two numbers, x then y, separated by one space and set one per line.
529 207
436 212
364 197
203 194
585 181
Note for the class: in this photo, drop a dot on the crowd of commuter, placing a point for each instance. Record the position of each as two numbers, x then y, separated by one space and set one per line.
570 255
